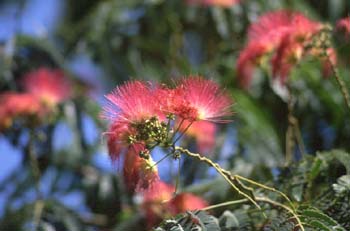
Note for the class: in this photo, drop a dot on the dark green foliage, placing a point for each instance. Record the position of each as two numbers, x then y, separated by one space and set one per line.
196 220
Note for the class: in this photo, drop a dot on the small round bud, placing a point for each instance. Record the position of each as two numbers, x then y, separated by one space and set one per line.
145 154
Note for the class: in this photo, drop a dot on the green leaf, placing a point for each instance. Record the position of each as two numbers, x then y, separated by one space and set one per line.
318 220
342 185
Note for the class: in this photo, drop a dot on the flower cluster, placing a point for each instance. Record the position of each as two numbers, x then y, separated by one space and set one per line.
343 25
159 203
145 115
43 89
287 35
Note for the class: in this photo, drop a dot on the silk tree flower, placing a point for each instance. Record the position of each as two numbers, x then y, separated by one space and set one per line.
135 117
159 202
202 99
48 85
186 201
15 105
155 203
281 32
139 173
343 25
221 3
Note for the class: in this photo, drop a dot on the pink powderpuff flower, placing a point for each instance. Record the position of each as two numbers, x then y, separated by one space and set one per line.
15 105
282 31
139 173
118 139
129 104
132 102
248 59
155 203
49 85
343 25
287 54
185 202
204 134
202 100
221 3
159 202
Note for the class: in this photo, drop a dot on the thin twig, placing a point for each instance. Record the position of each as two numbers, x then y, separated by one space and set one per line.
267 188
225 204
289 132
39 203
229 178
182 133
339 80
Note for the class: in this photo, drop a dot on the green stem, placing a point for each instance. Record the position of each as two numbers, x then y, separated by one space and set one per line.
339 80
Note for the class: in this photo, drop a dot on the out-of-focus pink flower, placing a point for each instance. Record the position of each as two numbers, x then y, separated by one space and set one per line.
15 105
50 86
155 202
159 192
222 3
159 203
139 173
343 25
204 134
202 100
248 59
283 32
186 201
287 54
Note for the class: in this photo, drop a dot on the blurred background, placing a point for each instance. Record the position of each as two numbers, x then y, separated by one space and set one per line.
100 44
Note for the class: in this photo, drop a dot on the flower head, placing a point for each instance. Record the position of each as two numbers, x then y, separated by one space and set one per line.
343 25
159 202
135 117
139 173
155 202
202 100
50 86
186 201
132 102
283 32
14 105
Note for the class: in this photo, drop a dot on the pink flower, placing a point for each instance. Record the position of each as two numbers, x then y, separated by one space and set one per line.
159 203
118 139
14 105
130 104
222 3
202 100
139 173
185 202
248 59
50 86
343 25
155 203
282 32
